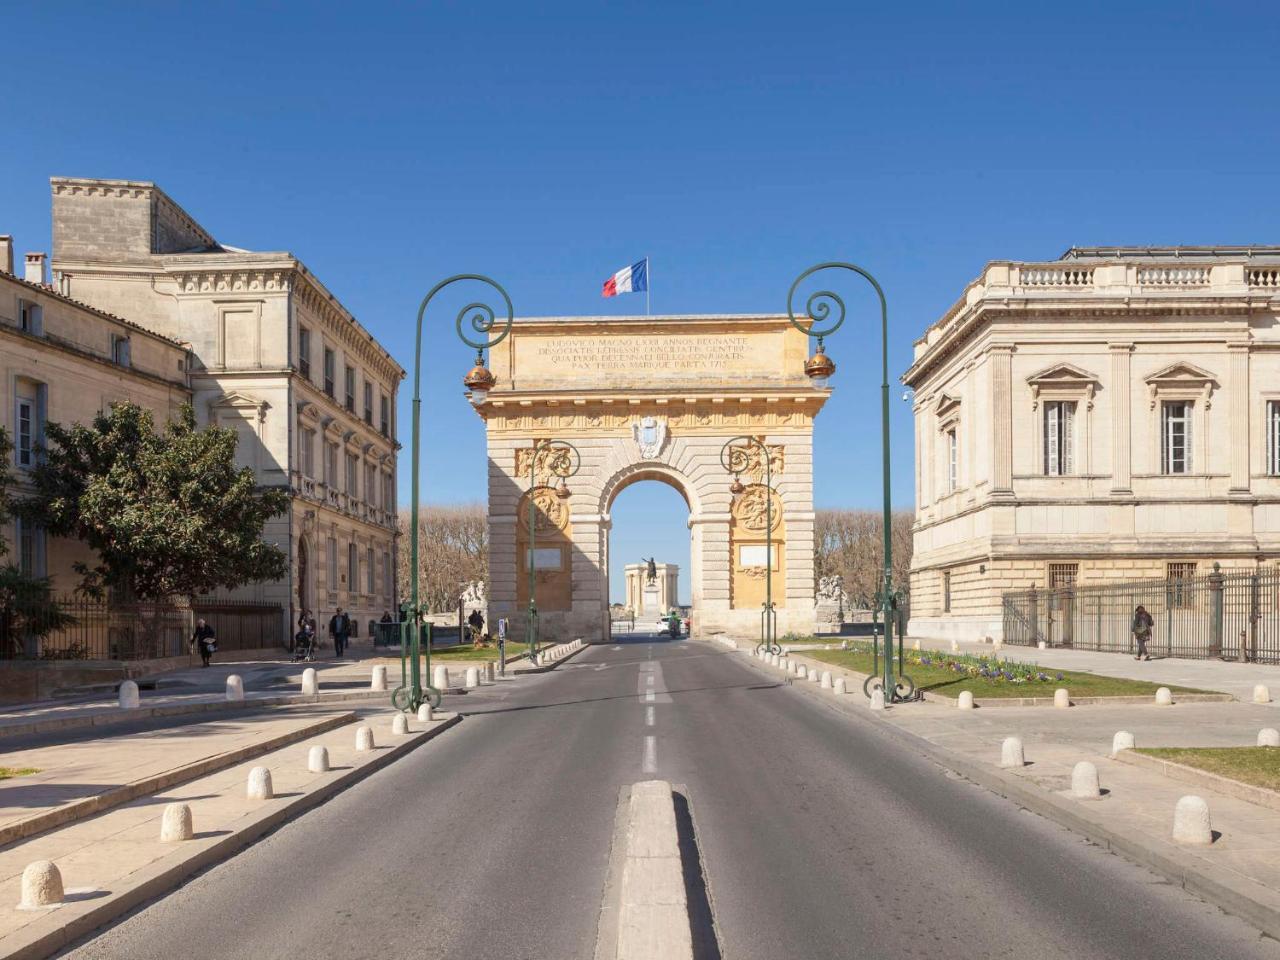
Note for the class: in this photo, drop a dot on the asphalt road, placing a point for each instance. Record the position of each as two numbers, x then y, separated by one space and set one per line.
821 838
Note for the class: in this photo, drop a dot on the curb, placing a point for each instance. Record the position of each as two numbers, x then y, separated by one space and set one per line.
89 806
154 882
1252 902
1202 778
113 715
547 668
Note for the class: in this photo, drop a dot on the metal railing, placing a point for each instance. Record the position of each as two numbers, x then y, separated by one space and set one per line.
74 628
1232 616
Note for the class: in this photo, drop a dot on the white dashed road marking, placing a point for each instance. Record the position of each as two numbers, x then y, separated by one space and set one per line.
650 762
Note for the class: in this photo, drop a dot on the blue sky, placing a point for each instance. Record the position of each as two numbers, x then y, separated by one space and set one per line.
390 145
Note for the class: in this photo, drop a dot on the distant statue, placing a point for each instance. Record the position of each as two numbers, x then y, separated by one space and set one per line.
652 570
830 589
474 594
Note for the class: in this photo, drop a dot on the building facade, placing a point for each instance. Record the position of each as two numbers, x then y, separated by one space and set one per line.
1113 415
275 357
66 362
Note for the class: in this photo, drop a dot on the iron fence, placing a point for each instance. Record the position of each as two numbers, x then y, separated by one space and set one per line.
1232 616
75 628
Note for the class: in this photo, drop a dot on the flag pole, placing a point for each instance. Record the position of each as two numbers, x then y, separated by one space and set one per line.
648 282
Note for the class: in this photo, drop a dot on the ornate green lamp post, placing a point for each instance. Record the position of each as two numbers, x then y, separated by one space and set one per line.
819 368
561 460
736 459
412 693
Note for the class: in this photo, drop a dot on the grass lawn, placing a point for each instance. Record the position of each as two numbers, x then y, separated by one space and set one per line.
467 652
1258 766
937 678
8 773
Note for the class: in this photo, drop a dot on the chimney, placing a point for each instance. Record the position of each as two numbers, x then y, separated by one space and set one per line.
35 268
6 253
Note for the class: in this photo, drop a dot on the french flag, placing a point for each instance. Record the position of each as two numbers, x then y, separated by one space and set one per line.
632 279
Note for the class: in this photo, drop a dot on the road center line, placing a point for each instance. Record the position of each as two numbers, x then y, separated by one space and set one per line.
648 716
650 762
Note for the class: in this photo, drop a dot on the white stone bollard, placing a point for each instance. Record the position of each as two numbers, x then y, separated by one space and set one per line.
1040 644
378 678
1269 737
129 695
1084 781
826 679
1062 698
41 885
844 644
1191 821
1011 754
472 678
965 700
915 645
1123 740
424 713
1261 694
310 684
489 675
318 760
440 678
840 687
877 699
1164 697
175 825
260 784
955 646
364 739
399 725
235 687
814 676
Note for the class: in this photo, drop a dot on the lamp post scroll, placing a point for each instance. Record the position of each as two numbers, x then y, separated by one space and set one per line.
819 321
490 327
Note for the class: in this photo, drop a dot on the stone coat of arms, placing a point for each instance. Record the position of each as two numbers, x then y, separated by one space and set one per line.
650 434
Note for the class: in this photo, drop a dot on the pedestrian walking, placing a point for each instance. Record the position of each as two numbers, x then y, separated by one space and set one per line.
204 640
340 630
1142 623
476 622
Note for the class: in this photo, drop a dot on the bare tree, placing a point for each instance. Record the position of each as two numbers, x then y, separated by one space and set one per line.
850 544
453 552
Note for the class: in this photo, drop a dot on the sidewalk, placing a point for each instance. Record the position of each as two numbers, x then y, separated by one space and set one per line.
1240 871
1237 679
113 862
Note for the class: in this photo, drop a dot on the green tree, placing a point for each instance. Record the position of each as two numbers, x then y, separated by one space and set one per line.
166 513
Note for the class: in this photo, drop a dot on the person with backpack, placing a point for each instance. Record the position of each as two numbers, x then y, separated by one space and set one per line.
340 630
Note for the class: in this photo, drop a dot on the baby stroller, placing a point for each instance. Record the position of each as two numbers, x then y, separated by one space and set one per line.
304 646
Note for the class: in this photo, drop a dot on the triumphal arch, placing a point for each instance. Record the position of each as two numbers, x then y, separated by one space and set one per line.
652 398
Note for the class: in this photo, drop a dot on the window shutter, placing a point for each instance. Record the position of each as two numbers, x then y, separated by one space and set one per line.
1068 438
1051 453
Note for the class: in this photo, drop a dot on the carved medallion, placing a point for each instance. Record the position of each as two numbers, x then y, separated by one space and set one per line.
550 513
751 510
650 434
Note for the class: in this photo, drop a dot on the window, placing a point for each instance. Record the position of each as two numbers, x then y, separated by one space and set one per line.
331 556
946 591
25 448
385 416
1273 438
30 548
386 575
307 440
1059 438
353 568
352 466
368 403
304 352
351 389
370 485
120 350
368 570
1063 575
388 492
30 317
328 371
331 465
1181 588
953 461
1175 437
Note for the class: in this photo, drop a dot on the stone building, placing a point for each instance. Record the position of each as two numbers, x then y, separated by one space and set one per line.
1112 415
274 356
66 362
652 598
652 398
